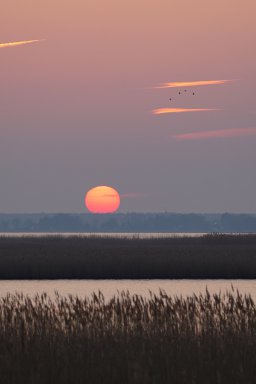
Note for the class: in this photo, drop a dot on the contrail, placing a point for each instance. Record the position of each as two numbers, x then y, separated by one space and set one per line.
222 133
16 43
192 83
160 111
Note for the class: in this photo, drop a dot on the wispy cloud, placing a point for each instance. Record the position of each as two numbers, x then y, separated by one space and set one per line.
160 111
192 83
132 195
222 133
16 43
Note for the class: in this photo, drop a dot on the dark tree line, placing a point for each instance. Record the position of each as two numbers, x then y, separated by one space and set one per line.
129 222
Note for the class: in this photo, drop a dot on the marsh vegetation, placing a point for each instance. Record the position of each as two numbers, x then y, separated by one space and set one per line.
56 257
128 339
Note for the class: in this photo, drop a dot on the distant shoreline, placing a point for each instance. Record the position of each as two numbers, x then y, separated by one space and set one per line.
128 223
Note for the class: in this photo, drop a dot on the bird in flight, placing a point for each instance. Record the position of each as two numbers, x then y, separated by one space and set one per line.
185 90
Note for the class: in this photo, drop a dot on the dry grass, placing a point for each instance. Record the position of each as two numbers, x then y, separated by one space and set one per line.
129 339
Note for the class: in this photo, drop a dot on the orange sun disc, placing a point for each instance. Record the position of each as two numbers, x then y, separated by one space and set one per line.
102 199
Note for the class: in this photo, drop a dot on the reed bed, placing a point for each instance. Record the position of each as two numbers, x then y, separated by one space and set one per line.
56 257
128 339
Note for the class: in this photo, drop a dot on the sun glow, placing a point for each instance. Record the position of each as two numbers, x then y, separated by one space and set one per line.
102 199
16 43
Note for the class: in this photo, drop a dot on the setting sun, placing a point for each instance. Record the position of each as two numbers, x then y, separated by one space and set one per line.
102 199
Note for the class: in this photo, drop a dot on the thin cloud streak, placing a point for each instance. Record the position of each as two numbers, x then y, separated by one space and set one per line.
192 83
16 43
132 195
161 111
223 133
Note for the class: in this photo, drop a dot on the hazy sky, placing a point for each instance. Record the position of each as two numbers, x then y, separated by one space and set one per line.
76 109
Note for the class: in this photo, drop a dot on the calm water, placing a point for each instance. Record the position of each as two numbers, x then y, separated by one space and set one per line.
83 288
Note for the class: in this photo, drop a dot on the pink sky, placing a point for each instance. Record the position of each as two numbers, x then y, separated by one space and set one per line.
76 108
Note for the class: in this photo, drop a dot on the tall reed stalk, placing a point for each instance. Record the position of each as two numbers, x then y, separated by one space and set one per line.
128 339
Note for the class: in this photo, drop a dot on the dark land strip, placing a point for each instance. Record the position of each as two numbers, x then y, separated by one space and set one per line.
208 257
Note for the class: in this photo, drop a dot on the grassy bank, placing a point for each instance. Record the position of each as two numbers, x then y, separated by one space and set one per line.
210 257
129 339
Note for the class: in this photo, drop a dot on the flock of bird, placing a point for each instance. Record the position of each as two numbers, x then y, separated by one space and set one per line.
185 90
